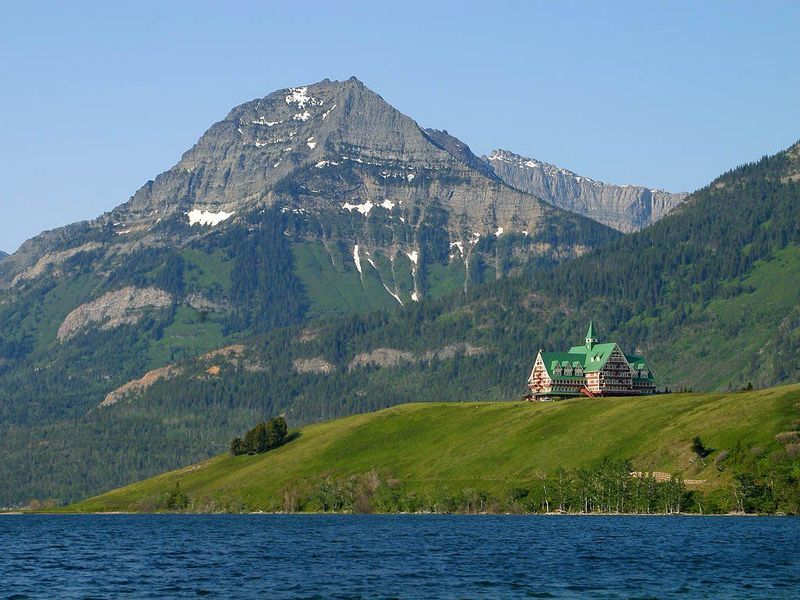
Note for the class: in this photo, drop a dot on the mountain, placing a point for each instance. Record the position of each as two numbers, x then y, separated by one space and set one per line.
623 207
311 202
346 167
495 457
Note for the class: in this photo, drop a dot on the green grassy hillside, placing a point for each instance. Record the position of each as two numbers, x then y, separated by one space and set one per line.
421 456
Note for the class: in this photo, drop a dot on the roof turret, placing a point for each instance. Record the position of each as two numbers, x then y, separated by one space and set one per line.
590 339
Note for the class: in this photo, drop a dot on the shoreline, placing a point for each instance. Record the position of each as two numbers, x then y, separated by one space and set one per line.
429 514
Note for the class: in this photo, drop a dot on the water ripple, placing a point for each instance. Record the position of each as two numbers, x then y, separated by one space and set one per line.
408 557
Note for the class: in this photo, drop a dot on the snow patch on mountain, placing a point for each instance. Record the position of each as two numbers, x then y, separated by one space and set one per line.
263 121
299 96
357 260
206 217
392 294
362 208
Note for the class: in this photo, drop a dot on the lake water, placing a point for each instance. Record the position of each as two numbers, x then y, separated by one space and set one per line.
318 556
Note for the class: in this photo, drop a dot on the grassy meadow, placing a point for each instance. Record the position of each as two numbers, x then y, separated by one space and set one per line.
438 448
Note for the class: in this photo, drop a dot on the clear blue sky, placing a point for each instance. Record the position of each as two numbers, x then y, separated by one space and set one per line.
97 98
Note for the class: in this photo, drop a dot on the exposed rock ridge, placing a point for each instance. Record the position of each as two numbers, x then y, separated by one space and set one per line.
317 365
461 151
52 259
624 207
141 384
391 357
120 307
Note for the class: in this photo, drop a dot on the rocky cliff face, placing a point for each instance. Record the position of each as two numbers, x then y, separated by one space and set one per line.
325 146
624 207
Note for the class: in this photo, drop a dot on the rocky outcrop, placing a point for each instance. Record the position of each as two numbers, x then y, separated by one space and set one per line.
391 357
461 151
226 352
52 259
381 357
141 384
203 304
624 207
121 307
316 365
450 351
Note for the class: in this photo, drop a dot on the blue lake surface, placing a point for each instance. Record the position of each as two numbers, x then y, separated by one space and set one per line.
405 556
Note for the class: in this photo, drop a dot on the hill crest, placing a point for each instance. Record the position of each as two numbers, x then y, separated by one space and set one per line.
429 452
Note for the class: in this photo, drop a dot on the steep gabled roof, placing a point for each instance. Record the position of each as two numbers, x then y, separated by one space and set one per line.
638 363
554 359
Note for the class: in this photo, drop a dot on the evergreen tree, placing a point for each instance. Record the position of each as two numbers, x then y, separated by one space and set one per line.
261 438
277 431
238 446
251 441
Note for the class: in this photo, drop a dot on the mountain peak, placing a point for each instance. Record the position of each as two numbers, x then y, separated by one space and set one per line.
237 163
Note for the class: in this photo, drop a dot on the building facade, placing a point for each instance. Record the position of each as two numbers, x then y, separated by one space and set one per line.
592 370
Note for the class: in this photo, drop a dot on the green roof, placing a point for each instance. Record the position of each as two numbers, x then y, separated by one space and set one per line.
590 360
638 363
595 357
